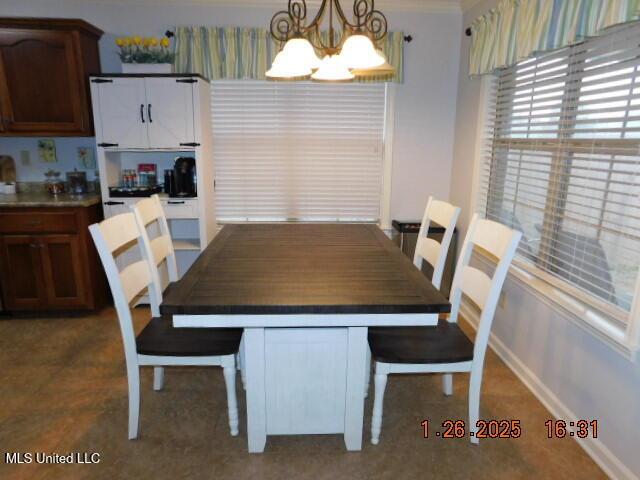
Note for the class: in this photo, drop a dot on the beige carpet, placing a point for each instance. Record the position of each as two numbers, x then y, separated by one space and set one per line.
63 389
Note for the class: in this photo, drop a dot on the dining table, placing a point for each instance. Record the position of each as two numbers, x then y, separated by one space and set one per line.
305 295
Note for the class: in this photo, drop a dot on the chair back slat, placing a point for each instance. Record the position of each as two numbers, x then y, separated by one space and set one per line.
149 209
476 285
484 290
118 231
442 212
427 249
161 247
135 278
147 212
434 252
492 237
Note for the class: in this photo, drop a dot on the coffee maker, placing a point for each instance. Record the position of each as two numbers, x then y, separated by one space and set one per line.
182 179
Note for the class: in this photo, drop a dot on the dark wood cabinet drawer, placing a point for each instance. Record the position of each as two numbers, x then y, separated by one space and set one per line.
38 222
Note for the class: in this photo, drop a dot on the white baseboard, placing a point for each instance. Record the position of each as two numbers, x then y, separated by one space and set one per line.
594 447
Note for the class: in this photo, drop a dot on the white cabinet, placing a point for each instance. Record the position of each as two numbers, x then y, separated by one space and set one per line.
174 208
169 112
115 207
119 105
153 119
144 112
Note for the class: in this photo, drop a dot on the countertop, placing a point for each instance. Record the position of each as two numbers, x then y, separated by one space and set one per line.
43 199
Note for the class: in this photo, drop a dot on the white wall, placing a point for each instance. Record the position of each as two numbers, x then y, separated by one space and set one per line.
576 373
425 112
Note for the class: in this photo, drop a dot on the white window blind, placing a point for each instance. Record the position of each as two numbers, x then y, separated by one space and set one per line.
298 151
562 164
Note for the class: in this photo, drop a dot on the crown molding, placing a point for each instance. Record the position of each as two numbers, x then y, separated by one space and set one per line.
426 6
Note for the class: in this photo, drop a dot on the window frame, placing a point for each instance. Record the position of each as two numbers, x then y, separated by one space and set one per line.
389 120
592 315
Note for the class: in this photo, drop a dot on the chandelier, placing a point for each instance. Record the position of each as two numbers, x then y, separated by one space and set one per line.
353 53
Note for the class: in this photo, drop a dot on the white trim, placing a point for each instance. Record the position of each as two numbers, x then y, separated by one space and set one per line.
457 367
308 320
633 329
558 287
594 447
570 307
425 6
387 158
158 360
486 82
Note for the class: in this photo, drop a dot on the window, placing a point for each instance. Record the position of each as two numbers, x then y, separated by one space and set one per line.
563 166
298 151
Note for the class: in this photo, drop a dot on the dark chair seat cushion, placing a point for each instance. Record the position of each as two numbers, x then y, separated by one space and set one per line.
445 343
160 338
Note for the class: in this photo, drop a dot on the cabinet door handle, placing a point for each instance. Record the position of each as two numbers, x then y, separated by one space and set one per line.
34 222
142 112
114 203
175 203
149 113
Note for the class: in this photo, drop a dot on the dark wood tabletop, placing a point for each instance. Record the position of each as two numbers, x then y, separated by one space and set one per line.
261 269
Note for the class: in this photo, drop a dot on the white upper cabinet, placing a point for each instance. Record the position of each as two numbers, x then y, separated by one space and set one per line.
144 112
119 106
170 112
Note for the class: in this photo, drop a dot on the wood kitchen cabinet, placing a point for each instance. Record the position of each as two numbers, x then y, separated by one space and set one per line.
63 272
21 273
48 261
44 76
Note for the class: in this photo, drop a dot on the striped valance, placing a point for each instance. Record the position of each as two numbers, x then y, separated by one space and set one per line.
517 29
247 53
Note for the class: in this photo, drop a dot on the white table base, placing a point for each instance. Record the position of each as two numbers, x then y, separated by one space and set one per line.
307 380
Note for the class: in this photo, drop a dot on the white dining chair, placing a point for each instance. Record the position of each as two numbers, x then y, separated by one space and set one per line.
445 348
158 344
428 250
150 215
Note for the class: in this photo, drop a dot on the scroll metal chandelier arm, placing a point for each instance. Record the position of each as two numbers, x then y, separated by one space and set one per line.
290 23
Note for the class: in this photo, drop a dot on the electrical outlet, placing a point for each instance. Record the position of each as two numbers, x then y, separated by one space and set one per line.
25 158
502 301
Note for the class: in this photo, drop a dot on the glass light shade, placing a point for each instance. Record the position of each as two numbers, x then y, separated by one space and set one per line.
332 69
284 69
300 51
358 52
384 70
